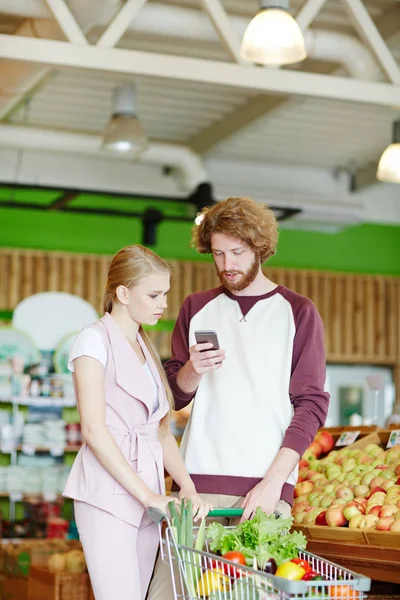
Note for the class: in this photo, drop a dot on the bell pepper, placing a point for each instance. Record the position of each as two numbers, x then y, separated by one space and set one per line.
212 581
289 570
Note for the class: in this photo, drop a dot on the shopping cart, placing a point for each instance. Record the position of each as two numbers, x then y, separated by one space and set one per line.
201 575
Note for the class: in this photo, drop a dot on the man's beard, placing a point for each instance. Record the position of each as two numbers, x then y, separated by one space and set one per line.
243 282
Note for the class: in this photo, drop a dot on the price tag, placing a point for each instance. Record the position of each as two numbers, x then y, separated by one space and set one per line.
394 438
49 497
30 450
15 496
347 438
57 451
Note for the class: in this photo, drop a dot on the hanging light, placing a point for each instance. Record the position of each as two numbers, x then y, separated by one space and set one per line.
389 164
124 133
273 37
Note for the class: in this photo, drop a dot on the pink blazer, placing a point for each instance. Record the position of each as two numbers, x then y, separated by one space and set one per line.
129 418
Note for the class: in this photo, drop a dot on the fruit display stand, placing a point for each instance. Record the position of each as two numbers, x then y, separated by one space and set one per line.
373 553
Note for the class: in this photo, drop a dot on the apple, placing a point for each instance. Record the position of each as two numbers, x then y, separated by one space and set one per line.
376 482
310 473
362 502
381 466
391 500
377 498
350 476
388 474
395 526
344 492
329 489
334 517
397 470
348 465
364 459
305 487
355 522
316 502
368 477
320 520
332 472
373 449
325 440
326 501
384 524
361 490
387 484
315 448
298 517
298 507
388 510
373 509
376 490
367 521
351 509
312 495
339 502
309 518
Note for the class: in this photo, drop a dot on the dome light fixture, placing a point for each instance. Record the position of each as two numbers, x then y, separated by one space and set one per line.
273 37
124 132
389 164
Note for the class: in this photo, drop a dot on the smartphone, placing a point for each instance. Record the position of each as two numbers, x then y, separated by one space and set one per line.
207 336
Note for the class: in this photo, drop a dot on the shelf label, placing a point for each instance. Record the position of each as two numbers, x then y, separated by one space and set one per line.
347 438
394 438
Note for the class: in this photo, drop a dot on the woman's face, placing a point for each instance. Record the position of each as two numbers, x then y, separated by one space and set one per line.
147 300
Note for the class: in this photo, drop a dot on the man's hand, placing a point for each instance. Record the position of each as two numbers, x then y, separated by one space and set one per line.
203 359
265 495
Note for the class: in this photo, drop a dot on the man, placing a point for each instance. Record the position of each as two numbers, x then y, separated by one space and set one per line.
259 400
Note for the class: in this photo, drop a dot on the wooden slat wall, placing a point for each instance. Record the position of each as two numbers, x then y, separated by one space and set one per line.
361 313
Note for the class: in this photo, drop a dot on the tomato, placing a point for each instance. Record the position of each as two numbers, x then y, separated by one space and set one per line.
235 557
342 591
309 575
290 570
302 563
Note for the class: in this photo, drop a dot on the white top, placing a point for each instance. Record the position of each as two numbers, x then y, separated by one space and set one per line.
89 342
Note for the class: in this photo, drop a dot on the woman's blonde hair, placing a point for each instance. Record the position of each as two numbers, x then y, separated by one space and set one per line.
128 267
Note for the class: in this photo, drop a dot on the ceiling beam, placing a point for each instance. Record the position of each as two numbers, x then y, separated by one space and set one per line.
222 24
372 37
120 24
259 106
151 64
308 12
67 22
17 79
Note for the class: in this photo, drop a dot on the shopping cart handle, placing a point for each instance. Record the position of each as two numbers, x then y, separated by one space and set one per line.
226 513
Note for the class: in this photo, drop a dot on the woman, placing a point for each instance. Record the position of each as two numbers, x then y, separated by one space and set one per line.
124 404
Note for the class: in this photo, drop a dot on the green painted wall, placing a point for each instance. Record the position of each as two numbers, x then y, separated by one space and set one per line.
366 248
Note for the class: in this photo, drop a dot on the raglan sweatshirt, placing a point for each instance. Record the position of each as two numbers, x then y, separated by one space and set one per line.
269 393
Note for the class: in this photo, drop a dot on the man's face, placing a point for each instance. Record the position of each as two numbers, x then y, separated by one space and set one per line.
237 264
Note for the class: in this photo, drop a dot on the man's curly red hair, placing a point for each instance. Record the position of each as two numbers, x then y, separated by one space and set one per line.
251 222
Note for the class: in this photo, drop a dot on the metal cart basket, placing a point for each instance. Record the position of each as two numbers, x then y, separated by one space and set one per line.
201 575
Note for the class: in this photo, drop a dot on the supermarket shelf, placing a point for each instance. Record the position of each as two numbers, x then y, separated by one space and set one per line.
68 401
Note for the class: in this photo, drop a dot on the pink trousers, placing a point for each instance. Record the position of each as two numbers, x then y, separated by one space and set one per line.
120 557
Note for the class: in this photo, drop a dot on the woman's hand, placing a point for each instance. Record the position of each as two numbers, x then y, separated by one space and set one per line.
201 507
160 502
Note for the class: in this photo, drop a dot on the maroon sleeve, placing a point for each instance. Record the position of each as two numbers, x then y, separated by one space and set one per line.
180 355
310 402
